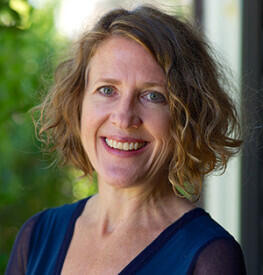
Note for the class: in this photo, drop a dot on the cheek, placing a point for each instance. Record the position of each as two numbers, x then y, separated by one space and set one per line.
89 126
88 123
159 128
92 118
163 134
160 125
92 115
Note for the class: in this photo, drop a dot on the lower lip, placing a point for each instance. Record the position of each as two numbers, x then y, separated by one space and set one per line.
122 153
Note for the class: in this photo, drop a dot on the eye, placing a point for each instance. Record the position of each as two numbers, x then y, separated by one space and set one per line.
106 90
155 97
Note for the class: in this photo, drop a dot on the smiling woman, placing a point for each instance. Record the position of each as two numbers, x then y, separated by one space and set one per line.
142 104
128 109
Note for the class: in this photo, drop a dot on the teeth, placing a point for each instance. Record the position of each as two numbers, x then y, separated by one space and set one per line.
110 142
125 146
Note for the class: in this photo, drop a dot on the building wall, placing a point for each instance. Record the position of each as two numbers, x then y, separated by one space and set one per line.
221 24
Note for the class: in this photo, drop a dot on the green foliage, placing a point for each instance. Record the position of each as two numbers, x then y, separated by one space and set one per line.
82 186
15 13
28 47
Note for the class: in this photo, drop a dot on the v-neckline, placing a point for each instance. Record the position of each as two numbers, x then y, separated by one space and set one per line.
145 255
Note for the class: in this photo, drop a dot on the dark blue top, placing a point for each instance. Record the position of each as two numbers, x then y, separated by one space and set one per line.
194 244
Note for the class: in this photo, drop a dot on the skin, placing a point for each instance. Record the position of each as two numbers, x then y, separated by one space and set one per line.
126 69
125 100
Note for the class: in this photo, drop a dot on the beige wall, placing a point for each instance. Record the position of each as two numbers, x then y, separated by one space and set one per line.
222 193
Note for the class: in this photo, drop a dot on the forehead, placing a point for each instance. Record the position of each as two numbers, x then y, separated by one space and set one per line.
123 57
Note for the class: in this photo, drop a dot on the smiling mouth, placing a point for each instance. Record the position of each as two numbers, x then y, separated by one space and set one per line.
125 146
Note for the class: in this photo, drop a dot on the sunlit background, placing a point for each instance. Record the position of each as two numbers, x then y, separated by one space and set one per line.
34 37
73 16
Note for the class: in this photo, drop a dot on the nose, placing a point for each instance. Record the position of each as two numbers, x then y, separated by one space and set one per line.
125 115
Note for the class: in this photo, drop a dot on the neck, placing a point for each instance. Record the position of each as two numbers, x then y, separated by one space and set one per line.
115 208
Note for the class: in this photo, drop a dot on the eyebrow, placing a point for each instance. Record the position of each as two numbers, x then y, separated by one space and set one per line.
108 80
145 85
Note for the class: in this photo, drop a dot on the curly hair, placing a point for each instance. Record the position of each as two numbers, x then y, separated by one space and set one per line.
204 129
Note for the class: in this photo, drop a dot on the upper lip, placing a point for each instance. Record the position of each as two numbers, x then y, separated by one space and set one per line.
125 138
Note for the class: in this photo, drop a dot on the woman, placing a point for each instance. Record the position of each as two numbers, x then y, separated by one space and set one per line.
141 103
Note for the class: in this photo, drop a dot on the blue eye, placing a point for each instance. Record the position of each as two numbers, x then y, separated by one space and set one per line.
155 97
106 90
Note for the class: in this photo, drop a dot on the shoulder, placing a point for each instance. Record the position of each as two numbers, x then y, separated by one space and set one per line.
49 216
56 214
19 255
218 252
220 256
56 219
48 234
202 228
23 237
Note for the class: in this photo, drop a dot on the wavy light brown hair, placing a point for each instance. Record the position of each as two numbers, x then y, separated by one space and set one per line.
204 129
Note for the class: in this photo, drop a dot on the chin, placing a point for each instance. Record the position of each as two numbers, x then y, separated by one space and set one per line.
119 180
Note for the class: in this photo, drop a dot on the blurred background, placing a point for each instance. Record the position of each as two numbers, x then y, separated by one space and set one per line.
36 34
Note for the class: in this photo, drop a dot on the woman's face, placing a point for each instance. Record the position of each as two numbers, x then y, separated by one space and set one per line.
125 115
